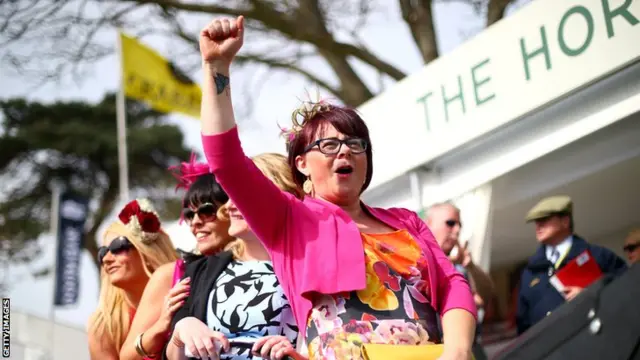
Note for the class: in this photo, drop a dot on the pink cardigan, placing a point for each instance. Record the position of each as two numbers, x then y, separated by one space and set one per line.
314 245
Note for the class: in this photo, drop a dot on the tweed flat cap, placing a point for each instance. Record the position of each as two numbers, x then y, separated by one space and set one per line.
553 205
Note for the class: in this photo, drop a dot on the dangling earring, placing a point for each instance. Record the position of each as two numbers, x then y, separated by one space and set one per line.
307 187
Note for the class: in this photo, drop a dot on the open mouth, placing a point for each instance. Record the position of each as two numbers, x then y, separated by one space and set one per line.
345 170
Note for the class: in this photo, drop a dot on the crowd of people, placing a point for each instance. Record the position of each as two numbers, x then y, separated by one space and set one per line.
291 263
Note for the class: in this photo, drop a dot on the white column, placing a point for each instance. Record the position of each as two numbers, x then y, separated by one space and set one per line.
430 184
416 190
476 216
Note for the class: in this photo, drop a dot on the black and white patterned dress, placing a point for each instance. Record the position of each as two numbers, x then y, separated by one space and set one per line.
248 303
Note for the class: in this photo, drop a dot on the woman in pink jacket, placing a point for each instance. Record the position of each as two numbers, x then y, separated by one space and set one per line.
353 274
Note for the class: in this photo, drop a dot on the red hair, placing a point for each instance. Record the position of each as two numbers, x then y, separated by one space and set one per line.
346 120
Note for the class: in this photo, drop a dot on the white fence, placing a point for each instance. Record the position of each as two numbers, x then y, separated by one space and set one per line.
35 338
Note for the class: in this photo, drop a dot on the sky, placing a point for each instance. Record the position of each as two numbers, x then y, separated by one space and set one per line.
385 34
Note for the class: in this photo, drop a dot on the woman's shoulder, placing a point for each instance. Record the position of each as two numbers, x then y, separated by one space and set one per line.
164 271
100 346
308 208
161 278
201 264
92 322
195 265
95 326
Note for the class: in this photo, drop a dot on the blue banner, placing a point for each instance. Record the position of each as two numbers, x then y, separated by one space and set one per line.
72 215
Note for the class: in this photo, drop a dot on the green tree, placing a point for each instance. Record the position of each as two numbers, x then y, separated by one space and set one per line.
285 34
74 144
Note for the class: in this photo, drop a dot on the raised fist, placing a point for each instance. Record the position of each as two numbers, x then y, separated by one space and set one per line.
221 40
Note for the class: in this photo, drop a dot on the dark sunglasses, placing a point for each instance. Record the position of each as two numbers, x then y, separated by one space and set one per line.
332 146
117 246
630 247
204 211
451 223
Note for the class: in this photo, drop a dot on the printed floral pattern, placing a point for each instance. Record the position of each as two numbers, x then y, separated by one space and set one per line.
392 309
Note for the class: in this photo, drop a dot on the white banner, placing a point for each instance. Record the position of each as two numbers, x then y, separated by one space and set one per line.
545 51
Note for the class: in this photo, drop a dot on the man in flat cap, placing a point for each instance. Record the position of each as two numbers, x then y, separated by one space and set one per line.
559 245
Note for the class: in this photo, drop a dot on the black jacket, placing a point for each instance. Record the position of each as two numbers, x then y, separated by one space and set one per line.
203 273
537 297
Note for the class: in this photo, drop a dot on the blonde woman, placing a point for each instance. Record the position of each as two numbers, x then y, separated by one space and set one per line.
236 302
134 246
275 167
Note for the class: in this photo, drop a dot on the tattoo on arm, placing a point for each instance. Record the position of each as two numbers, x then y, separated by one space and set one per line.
222 82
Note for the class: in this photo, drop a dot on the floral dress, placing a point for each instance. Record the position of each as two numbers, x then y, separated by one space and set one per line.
394 307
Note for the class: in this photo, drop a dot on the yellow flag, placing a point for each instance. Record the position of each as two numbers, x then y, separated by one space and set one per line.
148 77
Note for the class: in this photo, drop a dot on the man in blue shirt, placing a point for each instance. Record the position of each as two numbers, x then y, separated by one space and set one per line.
559 245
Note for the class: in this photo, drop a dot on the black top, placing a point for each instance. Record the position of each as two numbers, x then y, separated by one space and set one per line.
242 300
202 272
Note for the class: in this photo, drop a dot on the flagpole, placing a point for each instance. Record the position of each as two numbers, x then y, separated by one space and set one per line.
121 119
56 190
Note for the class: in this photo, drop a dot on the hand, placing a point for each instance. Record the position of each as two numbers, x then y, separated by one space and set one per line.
174 300
221 40
274 348
571 292
196 337
478 300
455 354
463 257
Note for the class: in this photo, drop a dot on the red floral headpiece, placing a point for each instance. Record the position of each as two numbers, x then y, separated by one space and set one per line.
141 219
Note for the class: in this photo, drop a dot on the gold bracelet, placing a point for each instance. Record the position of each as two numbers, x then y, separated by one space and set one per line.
140 349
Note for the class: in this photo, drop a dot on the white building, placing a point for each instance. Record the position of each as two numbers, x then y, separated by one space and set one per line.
544 102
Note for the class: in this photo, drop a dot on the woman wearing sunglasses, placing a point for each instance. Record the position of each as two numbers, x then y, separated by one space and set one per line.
361 281
165 292
236 302
134 247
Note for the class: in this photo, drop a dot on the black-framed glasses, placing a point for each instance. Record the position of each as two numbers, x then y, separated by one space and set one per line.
630 247
205 211
451 223
117 246
331 146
